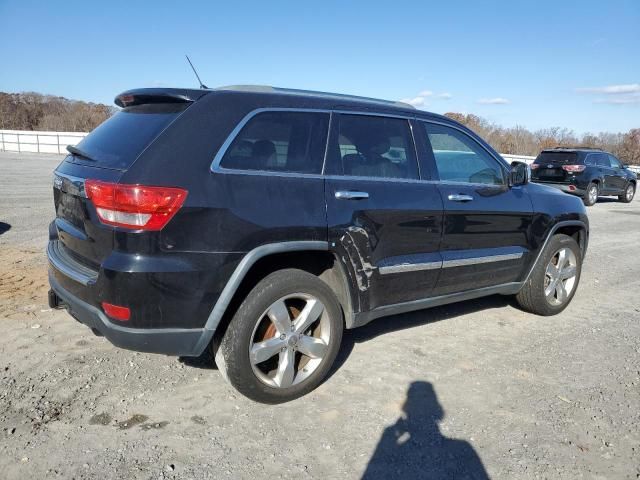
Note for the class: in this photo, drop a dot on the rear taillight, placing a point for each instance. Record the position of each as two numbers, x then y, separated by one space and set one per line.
137 207
534 166
574 168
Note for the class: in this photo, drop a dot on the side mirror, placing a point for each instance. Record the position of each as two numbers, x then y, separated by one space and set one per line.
520 174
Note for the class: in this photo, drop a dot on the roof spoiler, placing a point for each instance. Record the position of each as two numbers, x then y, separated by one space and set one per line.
143 96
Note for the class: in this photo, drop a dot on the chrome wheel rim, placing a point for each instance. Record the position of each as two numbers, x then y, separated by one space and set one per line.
630 192
560 276
593 194
290 340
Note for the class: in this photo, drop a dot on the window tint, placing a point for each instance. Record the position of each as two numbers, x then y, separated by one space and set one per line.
280 142
615 163
590 160
602 160
118 141
371 146
557 157
459 158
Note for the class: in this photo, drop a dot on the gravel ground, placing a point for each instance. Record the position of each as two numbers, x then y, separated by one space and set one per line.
480 386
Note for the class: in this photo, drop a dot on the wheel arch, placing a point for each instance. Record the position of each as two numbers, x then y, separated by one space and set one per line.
574 228
310 256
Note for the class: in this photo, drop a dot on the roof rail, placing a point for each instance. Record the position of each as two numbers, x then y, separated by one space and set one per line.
576 147
312 93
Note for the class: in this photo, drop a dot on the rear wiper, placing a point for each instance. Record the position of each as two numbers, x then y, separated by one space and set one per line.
79 153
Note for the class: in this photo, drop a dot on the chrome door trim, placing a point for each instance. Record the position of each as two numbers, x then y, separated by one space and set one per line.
409 267
462 262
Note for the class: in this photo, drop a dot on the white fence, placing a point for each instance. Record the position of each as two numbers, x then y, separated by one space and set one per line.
38 142
519 158
56 142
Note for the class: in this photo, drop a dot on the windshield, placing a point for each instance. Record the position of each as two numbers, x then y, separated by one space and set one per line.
557 157
117 142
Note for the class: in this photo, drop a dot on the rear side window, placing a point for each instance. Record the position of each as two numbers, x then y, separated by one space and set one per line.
280 142
459 158
372 146
602 160
118 141
570 158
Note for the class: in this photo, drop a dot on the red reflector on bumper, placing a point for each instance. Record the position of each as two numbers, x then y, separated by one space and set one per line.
116 311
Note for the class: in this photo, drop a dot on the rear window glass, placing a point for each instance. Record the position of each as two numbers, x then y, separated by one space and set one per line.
291 142
557 157
118 141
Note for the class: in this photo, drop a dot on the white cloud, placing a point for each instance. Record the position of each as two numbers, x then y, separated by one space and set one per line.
493 101
620 100
418 101
613 89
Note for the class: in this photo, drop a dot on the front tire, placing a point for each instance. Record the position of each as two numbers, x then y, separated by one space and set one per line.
283 338
591 195
554 280
628 194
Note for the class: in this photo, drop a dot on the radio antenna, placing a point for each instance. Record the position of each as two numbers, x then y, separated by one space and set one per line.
202 85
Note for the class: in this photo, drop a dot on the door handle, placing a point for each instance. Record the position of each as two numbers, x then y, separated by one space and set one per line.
351 195
460 198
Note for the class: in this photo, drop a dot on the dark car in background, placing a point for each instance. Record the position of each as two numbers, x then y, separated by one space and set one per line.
587 173
256 223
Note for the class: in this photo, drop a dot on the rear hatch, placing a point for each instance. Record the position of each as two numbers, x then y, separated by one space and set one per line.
548 166
104 155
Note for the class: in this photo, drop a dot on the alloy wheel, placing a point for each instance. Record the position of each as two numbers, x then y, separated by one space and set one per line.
560 276
593 194
630 191
290 340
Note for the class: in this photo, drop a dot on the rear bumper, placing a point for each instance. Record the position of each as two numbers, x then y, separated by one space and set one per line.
168 341
565 187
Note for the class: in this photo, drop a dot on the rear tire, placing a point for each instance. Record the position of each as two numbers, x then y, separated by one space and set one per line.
628 194
554 279
283 339
591 195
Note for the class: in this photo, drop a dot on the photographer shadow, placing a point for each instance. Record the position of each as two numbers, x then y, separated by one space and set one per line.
414 447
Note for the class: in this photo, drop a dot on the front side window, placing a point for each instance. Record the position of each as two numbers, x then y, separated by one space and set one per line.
291 142
459 158
372 146
615 163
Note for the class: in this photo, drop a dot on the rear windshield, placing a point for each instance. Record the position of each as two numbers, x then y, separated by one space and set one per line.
557 157
117 142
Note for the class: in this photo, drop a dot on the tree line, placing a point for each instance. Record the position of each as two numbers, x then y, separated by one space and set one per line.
521 141
34 111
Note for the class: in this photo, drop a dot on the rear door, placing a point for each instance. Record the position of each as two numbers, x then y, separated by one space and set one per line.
485 240
385 218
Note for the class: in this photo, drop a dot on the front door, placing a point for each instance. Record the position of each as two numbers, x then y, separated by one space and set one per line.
486 222
619 179
384 219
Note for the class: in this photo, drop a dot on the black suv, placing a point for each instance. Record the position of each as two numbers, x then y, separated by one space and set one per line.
257 223
584 172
